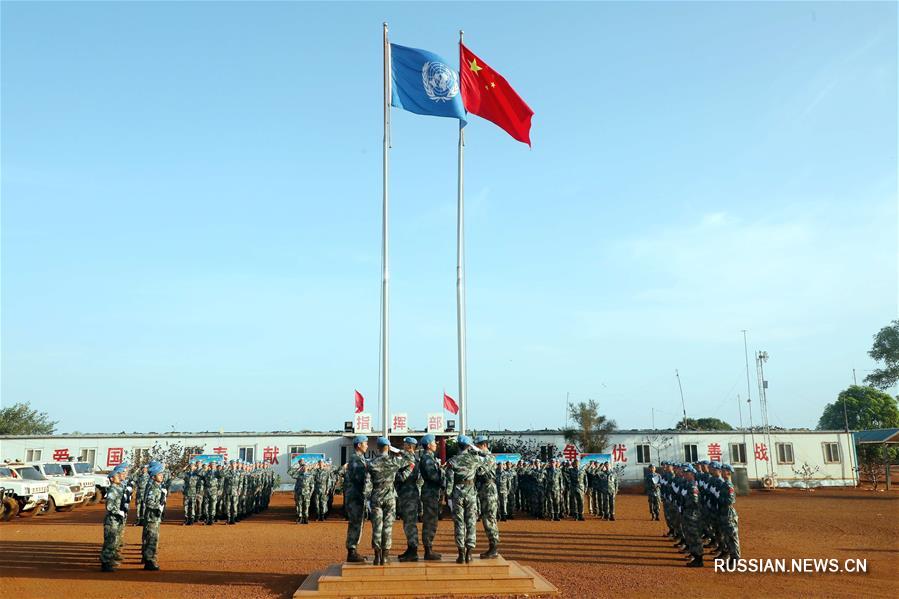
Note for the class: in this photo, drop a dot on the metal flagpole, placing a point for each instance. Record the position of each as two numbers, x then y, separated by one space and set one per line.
460 280
385 306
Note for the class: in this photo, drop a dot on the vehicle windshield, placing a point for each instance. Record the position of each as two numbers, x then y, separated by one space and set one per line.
4 471
53 469
30 473
83 468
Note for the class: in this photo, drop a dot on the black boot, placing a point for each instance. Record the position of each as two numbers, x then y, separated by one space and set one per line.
491 552
430 556
461 558
151 566
107 568
377 560
696 563
385 557
410 555
468 555
353 557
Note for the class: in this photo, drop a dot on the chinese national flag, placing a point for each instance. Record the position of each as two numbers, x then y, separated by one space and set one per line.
449 404
487 94
360 403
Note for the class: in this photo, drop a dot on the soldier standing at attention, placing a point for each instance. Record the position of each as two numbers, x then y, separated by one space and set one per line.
503 487
651 482
211 489
142 480
383 470
464 466
432 477
154 506
692 524
232 493
407 501
125 505
190 494
576 483
302 490
728 520
488 496
112 521
355 486
613 492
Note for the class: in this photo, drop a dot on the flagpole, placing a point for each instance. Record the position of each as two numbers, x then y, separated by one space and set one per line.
460 278
384 255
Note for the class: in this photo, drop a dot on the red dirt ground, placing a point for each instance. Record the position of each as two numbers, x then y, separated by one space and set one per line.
269 556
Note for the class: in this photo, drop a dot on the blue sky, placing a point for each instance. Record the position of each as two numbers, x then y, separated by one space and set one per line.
192 191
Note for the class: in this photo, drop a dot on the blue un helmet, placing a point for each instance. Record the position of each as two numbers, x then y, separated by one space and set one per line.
463 440
481 439
155 468
427 439
410 441
358 439
727 467
383 442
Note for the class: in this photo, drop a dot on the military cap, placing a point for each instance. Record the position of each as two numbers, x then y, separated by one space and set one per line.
703 462
481 439
359 439
383 442
429 438
715 464
155 468
464 440
410 441
727 467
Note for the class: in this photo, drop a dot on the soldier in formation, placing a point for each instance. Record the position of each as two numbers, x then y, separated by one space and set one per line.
408 500
140 486
463 469
228 492
114 519
432 487
356 486
302 489
651 482
488 496
698 504
383 470
153 503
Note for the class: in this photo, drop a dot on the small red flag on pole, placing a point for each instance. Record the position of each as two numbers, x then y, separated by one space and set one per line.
360 403
449 404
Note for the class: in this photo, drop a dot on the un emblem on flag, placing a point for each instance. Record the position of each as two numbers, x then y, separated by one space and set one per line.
440 82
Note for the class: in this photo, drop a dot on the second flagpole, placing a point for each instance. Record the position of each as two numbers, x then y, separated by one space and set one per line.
385 296
460 274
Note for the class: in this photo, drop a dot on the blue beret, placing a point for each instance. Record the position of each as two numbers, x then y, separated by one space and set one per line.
727 467
715 464
359 439
690 469
429 438
463 440
480 439
383 441
410 440
703 462
155 468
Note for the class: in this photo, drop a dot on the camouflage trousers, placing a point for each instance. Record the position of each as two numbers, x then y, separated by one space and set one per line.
110 551
430 503
555 503
191 505
383 513
139 505
231 504
730 534
355 511
321 503
149 541
503 504
465 517
692 527
301 501
210 506
653 505
407 506
607 504
488 504
120 535
577 504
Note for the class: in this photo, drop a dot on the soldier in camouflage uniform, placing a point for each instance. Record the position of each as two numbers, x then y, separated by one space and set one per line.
141 486
112 520
727 516
432 478
503 488
383 470
191 480
211 487
231 492
464 467
577 479
692 524
604 487
553 490
320 492
407 501
154 506
302 489
356 485
651 482
488 497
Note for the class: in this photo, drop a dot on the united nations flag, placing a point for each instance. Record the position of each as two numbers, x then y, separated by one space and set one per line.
424 83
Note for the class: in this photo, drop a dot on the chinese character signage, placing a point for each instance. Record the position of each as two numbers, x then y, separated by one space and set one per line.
115 456
618 452
435 423
714 451
400 423
270 455
362 423
61 455
761 452
222 451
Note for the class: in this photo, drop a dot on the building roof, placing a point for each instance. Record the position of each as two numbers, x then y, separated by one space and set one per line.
879 435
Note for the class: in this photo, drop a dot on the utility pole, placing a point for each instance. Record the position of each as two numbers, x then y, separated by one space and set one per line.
653 418
740 410
854 380
682 403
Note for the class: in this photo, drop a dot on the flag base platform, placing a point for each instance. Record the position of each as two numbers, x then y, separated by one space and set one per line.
444 578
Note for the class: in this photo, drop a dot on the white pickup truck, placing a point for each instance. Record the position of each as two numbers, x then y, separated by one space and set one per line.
61 496
81 487
85 471
29 492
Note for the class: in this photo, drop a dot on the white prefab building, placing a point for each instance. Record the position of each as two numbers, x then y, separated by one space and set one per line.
773 457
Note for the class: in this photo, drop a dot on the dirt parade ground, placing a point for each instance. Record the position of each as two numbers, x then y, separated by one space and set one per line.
269 555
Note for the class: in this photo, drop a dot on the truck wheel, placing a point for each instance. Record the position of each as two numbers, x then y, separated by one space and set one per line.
27 514
51 505
9 512
98 495
65 508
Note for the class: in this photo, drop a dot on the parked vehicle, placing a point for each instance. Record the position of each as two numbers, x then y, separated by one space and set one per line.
61 497
22 495
55 473
85 471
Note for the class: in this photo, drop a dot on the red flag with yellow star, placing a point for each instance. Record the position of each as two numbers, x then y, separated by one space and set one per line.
487 94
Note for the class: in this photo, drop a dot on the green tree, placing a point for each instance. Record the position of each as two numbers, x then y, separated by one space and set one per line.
703 424
175 456
886 350
21 419
591 430
866 408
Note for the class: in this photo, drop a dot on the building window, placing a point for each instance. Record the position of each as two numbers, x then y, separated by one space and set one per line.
831 453
737 453
691 453
141 455
293 449
643 454
784 453
34 455
247 454
88 455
